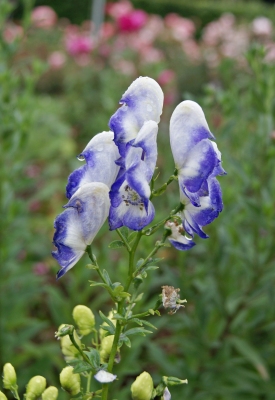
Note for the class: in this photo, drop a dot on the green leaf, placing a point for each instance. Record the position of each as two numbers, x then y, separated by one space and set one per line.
137 331
108 328
124 339
107 320
140 262
124 231
251 354
80 366
142 322
94 357
107 278
93 283
116 244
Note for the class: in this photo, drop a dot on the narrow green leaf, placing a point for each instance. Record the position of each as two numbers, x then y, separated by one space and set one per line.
137 331
107 320
116 244
106 277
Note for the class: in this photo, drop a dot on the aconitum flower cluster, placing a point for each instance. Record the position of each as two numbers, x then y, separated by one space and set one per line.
114 182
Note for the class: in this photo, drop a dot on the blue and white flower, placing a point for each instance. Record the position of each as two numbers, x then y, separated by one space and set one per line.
196 156
77 226
100 155
194 218
130 194
198 162
142 101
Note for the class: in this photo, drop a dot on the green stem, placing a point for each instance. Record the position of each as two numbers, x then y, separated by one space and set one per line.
124 240
71 335
88 382
131 261
162 188
94 261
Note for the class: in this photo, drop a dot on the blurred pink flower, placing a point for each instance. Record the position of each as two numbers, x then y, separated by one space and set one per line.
40 268
217 30
181 28
116 10
77 44
125 67
262 26
43 17
165 77
150 55
12 32
132 21
107 30
56 60
192 50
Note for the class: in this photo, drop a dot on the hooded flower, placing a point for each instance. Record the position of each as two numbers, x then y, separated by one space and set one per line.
198 162
142 101
100 155
130 194
77 226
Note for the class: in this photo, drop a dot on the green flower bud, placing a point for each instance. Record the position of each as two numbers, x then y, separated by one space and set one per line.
35 387
2 396
143 387
51 393
102 332
106 347
70 381
84 318
68 349
9 376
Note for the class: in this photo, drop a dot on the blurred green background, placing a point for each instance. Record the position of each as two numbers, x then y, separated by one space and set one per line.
58 87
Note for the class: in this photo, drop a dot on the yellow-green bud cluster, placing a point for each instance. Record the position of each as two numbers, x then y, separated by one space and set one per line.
9 376
143 387
70 381
106 347
84 318
51 393
35 387
3 396
68 349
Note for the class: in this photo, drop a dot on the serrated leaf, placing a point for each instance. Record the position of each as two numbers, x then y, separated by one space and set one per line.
116 244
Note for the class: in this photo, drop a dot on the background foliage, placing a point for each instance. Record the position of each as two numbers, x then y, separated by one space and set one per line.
223 341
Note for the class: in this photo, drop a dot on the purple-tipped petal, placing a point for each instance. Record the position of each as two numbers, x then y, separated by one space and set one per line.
100 154
77 226
142 101
188 127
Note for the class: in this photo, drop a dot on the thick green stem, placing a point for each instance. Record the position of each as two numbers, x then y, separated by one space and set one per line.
88 382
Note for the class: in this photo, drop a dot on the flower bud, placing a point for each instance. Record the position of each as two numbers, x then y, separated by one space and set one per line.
35 387
68 349
51 393
143 387
84 318
9 376
106 347
3 396
70 381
